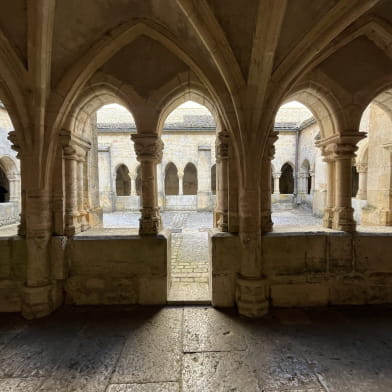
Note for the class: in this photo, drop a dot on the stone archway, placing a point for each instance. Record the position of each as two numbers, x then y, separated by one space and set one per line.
190 179
171 180
123 181
4 187
286 181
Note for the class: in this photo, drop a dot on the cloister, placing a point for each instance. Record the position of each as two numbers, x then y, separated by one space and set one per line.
246 156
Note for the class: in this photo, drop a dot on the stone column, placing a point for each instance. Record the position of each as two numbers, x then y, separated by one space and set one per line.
222 158
148 148
133 185
38 299
385 213
252 286
276 176
234 224
313 181
362 169
80 192
204 178
268 156
330 202
161 193
180 183
72 225
343 214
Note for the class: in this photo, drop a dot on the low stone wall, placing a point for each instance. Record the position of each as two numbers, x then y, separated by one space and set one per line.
180 203
309 269
93 270
9 213
117 269
127 203
281 202
13 257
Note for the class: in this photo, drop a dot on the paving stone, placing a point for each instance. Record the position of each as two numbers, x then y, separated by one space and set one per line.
20 384
152 352
206 329
37 350
212 372
147 387
87 366
187 292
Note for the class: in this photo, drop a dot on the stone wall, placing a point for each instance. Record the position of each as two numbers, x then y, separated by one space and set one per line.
109 269
13 255
118 269
309 269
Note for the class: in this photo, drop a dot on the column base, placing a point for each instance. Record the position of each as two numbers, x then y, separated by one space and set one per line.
328 218
266 222
343 219
150 226
251 298
40 301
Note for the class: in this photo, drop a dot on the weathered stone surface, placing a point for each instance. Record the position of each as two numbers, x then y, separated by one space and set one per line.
147 357
209 330
227 371
147 387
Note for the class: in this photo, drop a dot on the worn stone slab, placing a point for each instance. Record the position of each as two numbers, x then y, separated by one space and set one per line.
20 384
278 362
207 329
212 372
147 387
187 292
87 366
152 352
37 350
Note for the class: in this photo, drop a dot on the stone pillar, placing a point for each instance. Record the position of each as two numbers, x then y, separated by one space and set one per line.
222 158
268 156
252 286
330 202
343 214
81 192
161 193
180 183
234 224
204 178
362 169
148 148
276 176
385 213
38 299
133 185
313 181
72 225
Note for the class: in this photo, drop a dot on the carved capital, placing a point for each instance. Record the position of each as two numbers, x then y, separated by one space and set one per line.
269 152
148 147
222 146
362 167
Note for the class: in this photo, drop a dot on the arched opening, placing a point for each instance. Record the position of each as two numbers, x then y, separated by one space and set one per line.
188 133
4 187
123 181
286 180
213 179
99 188
171 180
10 181
372 173
190 179
300 180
